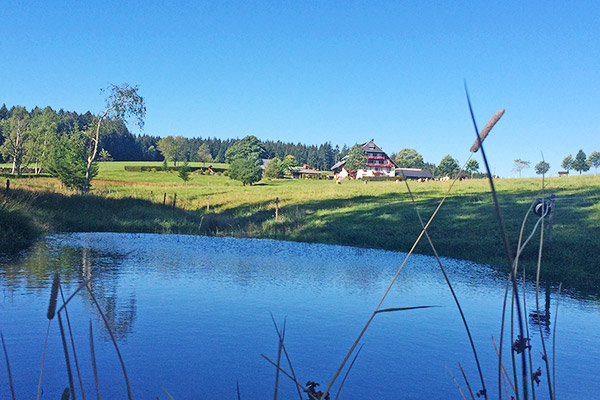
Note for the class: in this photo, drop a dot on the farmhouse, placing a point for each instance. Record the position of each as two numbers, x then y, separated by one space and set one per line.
378 164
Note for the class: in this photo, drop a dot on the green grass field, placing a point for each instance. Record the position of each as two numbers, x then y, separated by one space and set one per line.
375 215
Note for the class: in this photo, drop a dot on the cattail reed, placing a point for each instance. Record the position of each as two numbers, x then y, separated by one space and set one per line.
53 296
486 129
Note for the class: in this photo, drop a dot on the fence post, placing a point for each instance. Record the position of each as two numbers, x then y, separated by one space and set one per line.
208 203
7 185
551 222
164 199
174 199
276 209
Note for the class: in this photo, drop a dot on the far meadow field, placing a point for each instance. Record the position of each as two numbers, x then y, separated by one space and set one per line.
373 215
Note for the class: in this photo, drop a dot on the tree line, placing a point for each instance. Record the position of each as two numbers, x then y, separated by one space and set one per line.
581 163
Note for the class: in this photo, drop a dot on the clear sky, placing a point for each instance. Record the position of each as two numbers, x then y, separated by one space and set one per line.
316 71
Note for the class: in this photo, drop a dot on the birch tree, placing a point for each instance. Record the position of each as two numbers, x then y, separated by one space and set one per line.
16 132
122 102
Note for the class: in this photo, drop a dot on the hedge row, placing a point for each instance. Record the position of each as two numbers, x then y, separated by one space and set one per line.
152 168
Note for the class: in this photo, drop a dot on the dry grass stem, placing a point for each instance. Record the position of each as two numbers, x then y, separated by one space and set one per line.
456 383
554 341
93 359
10 380
466 381
348 372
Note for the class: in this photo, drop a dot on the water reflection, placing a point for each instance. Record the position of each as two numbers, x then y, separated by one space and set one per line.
194 312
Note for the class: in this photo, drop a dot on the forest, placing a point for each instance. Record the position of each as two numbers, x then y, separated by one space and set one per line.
32 133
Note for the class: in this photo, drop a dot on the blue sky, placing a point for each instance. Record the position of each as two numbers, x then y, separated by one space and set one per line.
310 72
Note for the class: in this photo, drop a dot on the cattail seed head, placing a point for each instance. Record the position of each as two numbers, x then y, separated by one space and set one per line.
486 129
53 296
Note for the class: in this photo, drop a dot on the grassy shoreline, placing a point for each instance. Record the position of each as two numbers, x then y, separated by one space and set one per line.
376 215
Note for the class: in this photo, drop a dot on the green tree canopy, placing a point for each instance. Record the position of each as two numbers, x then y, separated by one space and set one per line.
173 148
580 163
248 147
357 159
409 158
184 171
245 170
274 169
519 165
542 168
67 160
567 163
448 167
204 155
471 167
289 163
594 160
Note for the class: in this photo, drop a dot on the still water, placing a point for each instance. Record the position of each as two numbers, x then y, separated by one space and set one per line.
193 315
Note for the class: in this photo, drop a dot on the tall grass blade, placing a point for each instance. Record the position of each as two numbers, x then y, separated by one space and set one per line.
505 377
67 359
466 381
94 365
448 283
50 315
168 394
289 376
279 348
114 341
72 344
286 356
507 250
402 309
554 341
237 384
348 372
10 380
395 277
456 383
537 296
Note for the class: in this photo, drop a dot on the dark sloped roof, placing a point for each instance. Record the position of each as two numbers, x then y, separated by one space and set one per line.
413 173
372 147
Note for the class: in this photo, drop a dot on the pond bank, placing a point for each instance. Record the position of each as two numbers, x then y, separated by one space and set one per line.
465 228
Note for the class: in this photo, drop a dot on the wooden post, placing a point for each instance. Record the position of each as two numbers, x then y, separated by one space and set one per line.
276 209
551 222
174 199
208 203
164 199
7 185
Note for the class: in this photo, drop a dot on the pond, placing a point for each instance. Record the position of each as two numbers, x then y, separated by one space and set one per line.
193 315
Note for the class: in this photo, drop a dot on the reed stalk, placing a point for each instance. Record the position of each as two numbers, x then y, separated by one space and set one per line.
348 372
93 359
554 340
289 376
114 341
287 356
537 297
10 380
50 315
456 383
507 251
466 381
72 344
416 242
443 270
67 359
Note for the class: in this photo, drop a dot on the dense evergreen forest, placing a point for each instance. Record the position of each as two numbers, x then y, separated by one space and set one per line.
121 145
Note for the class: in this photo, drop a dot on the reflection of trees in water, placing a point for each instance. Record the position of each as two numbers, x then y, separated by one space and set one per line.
543 317
35 268
104 283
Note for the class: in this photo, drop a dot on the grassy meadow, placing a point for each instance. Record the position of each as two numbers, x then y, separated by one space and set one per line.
374 215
